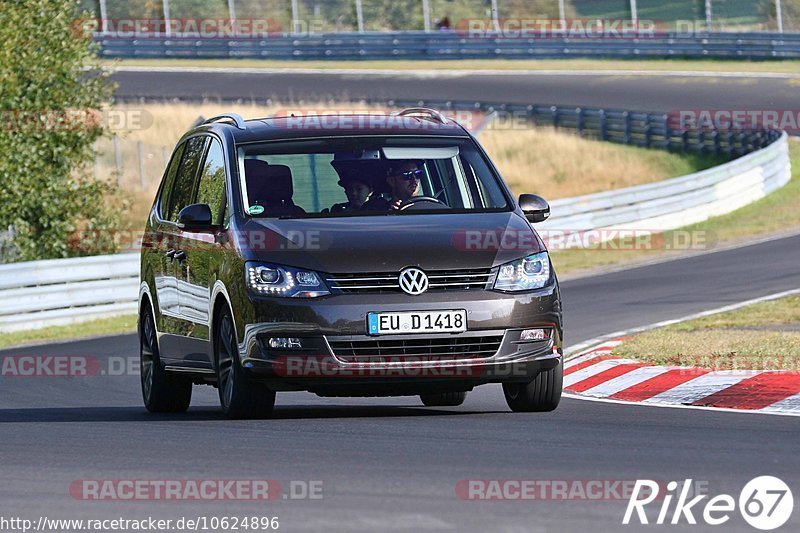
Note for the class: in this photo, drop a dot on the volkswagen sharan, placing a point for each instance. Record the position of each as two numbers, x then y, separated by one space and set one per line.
358 256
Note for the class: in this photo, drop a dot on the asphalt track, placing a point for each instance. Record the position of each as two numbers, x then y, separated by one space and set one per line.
639 92
391 464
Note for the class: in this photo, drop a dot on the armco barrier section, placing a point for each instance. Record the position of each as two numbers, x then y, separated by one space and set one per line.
64 291
455 45
681 201
38 294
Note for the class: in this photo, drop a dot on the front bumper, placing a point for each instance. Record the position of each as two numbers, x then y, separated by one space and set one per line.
323 322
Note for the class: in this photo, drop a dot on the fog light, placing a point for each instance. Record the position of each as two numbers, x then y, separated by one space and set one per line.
285 342
536 334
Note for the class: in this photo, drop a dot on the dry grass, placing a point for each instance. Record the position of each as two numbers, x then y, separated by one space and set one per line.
763 336
554 164
775 213
118 325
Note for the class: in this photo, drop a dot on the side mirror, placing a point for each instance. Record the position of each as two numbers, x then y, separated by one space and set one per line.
195 217
535 207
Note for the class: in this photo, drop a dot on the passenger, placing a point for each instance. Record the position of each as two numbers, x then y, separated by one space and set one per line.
403 179
358 191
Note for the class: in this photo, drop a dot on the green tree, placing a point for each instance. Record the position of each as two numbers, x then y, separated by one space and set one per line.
50 95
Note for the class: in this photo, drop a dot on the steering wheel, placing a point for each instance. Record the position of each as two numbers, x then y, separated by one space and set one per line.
405 204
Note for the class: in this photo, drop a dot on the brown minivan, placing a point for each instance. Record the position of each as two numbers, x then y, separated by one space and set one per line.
359 255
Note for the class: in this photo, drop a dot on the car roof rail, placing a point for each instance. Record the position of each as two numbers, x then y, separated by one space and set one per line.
425 112
237 120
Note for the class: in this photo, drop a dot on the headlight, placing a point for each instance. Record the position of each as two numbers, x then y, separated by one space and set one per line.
532 272
275 280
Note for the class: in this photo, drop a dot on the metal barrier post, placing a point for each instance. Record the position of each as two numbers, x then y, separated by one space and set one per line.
360 16
103 17
117 160
295 19
165 5
232 16
603 125
495 17
627 116
426 15
140 152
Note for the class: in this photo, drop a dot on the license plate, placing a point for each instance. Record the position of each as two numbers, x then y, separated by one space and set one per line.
417 322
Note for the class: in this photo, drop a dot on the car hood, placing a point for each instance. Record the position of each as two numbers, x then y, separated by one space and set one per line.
390 243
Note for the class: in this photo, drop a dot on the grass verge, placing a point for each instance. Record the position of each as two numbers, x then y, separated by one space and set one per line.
776 212
762 336
105 326
655 65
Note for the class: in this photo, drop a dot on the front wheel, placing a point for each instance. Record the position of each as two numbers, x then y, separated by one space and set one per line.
162 392
239 397
541 394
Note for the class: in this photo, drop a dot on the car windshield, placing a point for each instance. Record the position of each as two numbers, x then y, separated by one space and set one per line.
366 177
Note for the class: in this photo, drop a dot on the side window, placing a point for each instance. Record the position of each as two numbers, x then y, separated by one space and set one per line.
211 187
169 180
184 187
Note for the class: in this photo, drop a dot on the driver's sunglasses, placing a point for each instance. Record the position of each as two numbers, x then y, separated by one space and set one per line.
410 175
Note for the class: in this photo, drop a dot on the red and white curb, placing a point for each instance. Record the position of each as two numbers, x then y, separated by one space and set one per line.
595 373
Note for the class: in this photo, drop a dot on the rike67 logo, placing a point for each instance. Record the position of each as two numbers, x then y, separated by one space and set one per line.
765 502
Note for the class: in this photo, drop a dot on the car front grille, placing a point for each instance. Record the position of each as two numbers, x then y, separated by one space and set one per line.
444 348
438 280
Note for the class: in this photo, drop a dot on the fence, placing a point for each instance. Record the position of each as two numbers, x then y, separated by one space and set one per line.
453 45
44 293
381 15
134 165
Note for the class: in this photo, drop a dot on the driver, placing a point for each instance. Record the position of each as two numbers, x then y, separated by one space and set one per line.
404 183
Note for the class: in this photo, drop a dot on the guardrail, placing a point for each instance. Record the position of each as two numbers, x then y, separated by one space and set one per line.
45 293
681 201
455 45
38 294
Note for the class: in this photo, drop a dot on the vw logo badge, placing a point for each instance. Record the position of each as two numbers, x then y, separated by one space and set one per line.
413 281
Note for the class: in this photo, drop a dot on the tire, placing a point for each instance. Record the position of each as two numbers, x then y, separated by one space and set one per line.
162 391
541 394
443 399
238 396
